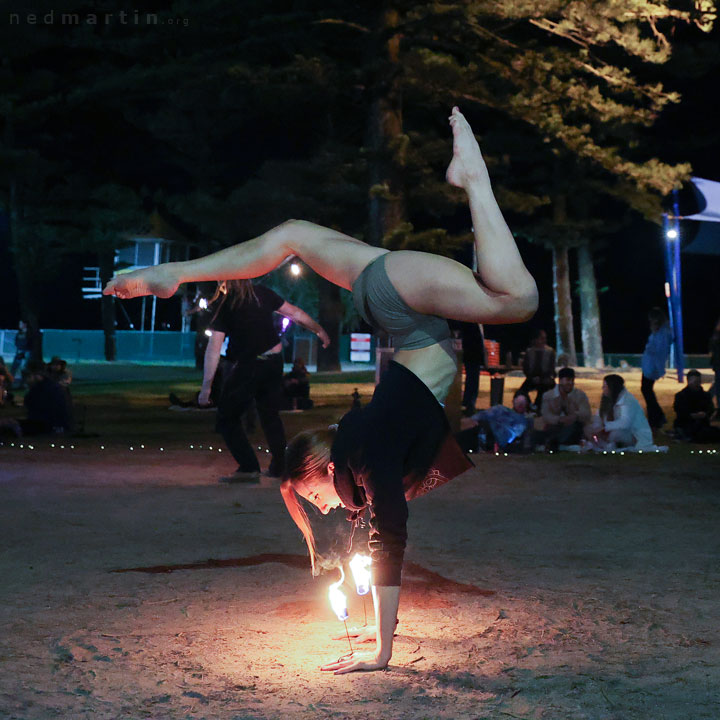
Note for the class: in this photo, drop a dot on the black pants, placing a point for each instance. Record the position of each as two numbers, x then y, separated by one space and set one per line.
472 384
258 380
655 415
698 431
563 435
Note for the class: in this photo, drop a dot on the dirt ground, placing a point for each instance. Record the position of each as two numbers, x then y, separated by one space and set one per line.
551 587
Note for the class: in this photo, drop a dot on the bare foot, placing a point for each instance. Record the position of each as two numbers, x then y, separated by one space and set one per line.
158 280
467 166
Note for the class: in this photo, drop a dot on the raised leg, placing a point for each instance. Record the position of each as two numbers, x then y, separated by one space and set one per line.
503 290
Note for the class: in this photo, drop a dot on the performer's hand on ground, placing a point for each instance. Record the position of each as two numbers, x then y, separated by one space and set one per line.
159 280
360 635
467 167
357 662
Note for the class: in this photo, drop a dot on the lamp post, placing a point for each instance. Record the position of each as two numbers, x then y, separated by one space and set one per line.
673 287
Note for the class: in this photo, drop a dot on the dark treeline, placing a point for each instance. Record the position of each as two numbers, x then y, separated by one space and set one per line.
212 121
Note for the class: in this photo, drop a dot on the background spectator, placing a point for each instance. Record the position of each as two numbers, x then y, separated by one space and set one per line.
539 368
653 364
297 386
621 421
715 364
473 349
566 412
693 409
6 382
23 344
46 403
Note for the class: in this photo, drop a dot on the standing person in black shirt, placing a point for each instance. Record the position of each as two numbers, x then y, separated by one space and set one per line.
398 446
253 371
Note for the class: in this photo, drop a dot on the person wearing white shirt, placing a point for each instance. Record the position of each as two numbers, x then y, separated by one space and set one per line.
621 417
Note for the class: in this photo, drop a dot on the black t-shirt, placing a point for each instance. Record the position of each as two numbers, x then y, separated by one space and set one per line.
249 324
375 447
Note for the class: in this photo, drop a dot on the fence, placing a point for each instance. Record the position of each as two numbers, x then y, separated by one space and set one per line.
132 345
178 347
136 346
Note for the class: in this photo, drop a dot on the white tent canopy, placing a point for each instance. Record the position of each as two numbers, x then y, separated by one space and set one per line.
710 191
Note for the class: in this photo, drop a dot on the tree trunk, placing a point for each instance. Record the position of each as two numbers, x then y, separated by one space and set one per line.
589 310
565 335
330 317
386 206
564 332
107 306
387 201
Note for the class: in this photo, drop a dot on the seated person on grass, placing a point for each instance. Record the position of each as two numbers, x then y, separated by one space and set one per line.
500 429
693 408
6 382
620 422
47 405
566 412
296 384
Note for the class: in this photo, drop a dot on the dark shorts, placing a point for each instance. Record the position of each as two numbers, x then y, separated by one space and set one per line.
381 306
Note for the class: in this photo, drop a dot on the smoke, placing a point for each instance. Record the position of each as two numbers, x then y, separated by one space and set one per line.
335 539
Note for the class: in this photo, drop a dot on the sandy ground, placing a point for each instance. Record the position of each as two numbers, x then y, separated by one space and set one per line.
535 587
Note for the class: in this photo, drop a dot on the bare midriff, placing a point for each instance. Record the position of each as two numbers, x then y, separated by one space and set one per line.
435 365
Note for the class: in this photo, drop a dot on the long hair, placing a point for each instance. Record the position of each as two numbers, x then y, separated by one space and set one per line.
240 292
616 385
306 459
236 292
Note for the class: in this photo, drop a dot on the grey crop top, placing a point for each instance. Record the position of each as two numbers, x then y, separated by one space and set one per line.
380 305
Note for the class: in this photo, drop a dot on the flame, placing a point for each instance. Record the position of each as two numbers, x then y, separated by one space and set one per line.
360 566
338 601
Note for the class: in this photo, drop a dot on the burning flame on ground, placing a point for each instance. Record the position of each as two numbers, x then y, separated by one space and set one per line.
360 566
338 601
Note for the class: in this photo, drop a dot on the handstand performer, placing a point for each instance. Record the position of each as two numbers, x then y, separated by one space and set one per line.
380 455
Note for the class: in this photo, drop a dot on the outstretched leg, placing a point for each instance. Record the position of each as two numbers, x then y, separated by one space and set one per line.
337 257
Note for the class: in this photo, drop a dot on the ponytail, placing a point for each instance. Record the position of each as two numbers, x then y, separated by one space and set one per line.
306 459
298 514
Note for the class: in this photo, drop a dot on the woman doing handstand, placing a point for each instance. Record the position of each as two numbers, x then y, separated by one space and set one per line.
380 456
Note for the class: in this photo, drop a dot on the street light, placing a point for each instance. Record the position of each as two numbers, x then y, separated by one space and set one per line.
671 234
295 269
